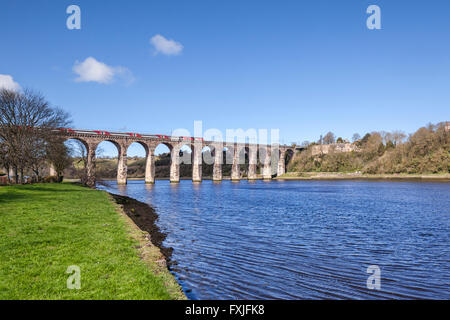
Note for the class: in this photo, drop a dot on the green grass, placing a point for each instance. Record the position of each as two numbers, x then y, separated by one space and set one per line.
45 228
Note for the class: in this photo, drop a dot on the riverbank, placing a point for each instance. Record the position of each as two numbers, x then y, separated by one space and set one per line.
46 228
143 218
361 176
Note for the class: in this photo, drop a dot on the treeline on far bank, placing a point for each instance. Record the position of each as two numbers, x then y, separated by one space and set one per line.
425 151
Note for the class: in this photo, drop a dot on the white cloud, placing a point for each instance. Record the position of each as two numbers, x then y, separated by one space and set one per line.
165 46
91 70
7 82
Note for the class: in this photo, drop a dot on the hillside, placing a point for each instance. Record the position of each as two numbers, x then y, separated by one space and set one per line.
423 152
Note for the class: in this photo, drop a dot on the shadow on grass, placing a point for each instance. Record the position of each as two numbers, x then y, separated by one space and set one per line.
11 197
50 189
33 191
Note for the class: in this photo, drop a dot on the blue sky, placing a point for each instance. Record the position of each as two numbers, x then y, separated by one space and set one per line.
304 67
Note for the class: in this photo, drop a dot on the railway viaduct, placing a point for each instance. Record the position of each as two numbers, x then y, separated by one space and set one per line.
91 139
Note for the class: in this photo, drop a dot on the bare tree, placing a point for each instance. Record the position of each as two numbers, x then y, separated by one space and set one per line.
329 138
305 143
356 137
25 120
78 153
58 154
398 137
78 150
5 160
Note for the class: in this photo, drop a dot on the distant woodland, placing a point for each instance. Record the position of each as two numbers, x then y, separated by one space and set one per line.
425 151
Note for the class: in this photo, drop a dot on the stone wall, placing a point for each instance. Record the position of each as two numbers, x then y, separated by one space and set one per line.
336 147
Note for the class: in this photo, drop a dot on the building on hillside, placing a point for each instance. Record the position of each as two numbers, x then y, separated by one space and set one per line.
447 126
335 147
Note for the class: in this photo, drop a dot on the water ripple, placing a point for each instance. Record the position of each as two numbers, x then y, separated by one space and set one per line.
304 239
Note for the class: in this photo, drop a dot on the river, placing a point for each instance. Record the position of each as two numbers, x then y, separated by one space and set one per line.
303 239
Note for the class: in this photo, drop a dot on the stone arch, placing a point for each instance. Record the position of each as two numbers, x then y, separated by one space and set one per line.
82 152
135 165
186 151
227 159
207 155
215 147
228 154
119 147
189 157
84 142
162 160
169 145
289 154
285 155
121 170
141 143
264 153
115 143
206 161
185 154
244 155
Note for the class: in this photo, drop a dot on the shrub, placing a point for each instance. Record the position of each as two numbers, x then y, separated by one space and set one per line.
51 179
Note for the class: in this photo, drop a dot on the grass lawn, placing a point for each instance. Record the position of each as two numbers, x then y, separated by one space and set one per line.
45 228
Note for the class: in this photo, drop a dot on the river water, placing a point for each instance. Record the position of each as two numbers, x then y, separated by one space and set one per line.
304 239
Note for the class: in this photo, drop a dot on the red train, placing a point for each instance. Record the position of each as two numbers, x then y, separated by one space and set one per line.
130 134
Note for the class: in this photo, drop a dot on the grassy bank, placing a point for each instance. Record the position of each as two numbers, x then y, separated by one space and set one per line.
46 228
352 175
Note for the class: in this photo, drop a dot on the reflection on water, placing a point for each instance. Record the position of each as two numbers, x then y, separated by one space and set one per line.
303 239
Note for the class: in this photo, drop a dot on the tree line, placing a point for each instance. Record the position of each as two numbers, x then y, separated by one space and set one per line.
27 145
425 151
395 137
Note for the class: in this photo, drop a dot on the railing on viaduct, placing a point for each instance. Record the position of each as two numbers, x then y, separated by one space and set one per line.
91 139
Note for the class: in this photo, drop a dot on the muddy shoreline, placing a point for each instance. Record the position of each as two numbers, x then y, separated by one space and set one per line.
144 216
